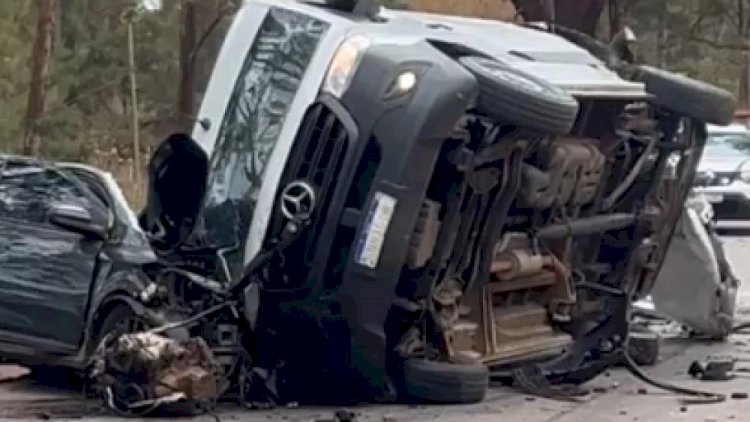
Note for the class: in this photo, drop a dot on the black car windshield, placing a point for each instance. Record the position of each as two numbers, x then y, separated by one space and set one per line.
728 144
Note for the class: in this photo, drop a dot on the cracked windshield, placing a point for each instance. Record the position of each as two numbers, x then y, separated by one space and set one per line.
396 210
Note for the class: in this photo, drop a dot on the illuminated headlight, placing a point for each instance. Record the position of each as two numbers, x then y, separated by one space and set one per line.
344 64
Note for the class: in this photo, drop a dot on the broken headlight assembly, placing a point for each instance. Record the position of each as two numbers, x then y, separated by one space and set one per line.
344 64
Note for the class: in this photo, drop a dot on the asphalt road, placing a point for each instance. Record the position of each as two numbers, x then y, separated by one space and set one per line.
616 396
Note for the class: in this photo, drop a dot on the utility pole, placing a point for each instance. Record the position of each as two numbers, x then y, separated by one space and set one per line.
549 5
744 82
129 20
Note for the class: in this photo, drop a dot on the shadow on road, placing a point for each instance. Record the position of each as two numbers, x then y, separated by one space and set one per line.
45 393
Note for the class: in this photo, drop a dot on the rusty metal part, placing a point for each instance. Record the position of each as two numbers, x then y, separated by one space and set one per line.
531 289
522 331
445 302
138 373
522 263
571 178
511 317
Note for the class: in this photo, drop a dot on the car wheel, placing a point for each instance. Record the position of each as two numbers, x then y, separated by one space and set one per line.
510 95
442 382
117 320
686 96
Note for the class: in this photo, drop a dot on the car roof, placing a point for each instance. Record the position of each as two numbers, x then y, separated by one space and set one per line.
29 160
22 159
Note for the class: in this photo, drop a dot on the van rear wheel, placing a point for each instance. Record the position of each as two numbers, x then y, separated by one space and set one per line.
443 382
686 96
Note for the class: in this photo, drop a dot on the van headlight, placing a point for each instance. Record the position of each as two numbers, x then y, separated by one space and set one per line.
343 65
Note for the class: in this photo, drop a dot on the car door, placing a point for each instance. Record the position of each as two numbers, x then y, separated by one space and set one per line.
45 271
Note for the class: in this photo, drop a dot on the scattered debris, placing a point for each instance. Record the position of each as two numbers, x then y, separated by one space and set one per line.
642 391
693 396
531 380
713 369
739 396
137 374
644 346
683 409
345 416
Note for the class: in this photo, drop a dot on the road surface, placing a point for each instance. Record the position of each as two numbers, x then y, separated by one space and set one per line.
617 396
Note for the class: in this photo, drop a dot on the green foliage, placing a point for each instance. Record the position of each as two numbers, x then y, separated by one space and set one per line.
88 106
14 64
697 37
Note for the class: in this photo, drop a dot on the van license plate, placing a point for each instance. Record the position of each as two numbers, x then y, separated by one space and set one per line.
372 237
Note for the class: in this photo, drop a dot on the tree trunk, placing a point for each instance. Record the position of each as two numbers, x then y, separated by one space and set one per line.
615 10
187 71
134 106
40 55
744 77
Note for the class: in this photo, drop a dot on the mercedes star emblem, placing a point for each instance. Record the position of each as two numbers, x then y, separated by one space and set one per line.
297 201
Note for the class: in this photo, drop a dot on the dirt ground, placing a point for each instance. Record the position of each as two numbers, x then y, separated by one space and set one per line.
616 396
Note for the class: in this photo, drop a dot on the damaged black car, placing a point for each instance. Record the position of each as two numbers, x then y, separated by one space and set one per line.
72 258
391 205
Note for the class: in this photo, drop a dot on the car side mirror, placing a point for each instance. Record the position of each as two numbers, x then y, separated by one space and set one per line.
77 219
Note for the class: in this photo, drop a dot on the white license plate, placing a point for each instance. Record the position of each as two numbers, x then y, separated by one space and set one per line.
714 198
370 243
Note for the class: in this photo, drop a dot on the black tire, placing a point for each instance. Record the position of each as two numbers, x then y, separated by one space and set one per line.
442 382
515 97
686 96
115 320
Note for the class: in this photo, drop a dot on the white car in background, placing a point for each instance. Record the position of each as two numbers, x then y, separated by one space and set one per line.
724 172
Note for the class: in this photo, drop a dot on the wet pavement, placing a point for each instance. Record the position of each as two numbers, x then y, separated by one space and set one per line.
616 396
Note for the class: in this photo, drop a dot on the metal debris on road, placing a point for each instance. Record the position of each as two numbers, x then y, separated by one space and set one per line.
137 374
713 369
